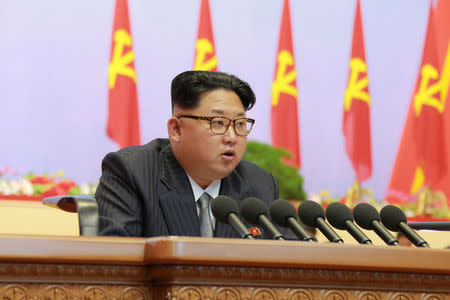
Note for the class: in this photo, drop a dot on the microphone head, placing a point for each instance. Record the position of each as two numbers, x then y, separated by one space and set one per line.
252 208
337 214
281 210
222 206
391 216
309 211
364 214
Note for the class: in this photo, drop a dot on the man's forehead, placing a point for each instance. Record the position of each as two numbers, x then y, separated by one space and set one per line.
233 111
221 101
218 94
219 111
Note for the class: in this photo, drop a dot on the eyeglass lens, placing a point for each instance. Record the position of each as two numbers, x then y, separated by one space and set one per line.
241 126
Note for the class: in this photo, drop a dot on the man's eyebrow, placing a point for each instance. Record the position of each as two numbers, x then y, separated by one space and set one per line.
221 112
218 111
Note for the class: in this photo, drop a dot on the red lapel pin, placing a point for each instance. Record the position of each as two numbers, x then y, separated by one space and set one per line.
255 231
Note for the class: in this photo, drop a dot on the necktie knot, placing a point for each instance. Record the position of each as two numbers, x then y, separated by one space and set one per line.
204 201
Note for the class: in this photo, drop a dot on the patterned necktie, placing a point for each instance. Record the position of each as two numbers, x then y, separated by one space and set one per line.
206 229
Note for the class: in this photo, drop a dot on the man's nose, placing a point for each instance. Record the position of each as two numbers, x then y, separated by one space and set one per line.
230 134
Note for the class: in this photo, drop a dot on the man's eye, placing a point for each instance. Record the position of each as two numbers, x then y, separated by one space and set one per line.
217 123
240 123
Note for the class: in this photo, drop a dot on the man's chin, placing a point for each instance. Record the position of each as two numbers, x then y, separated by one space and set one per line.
223 172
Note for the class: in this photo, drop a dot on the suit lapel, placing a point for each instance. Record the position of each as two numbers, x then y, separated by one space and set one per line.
234 187
178 203
176 198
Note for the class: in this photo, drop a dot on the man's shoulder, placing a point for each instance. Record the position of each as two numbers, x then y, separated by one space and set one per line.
136 154
248 168
156 145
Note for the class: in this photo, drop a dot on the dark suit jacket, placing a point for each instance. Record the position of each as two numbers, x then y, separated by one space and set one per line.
144 191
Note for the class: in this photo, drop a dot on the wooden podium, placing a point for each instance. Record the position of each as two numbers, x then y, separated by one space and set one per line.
102 268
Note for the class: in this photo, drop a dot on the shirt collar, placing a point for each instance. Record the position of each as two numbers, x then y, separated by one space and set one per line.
212 189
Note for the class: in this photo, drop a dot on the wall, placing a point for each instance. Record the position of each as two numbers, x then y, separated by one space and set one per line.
53 80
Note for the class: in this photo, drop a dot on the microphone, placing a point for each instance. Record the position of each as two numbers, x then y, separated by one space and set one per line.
255 211
312 215
367 217
226 211
284 214
395 220
341 217
440 226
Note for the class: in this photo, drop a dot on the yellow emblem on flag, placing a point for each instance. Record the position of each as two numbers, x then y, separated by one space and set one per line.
204 47
424 95
284 82
418 181
120 61
355 88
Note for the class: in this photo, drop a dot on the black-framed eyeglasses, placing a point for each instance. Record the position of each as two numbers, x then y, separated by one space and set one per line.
220 125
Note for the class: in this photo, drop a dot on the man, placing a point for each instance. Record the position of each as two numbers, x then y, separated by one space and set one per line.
403 240
155 189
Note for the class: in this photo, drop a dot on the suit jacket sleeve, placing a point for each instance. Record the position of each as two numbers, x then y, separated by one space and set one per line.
120 209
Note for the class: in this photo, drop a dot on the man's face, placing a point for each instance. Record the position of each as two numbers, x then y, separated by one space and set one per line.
204 155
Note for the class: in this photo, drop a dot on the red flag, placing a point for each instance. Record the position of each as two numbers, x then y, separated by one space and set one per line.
421 159
284 114
442 23
205 54
123 113
356 119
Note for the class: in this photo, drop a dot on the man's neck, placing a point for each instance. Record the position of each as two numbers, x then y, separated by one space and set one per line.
212 189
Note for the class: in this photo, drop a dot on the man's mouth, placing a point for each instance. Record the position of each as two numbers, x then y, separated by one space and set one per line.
228 155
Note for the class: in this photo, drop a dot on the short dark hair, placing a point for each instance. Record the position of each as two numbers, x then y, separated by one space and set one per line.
188 86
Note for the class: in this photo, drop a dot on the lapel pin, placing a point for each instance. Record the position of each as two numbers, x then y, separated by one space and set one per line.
255 231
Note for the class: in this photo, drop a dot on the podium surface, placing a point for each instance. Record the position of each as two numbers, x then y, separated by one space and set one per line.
112 268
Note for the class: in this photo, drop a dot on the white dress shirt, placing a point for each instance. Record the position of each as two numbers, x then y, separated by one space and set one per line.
212 190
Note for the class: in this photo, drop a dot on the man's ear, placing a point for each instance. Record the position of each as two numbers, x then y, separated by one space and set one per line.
173 127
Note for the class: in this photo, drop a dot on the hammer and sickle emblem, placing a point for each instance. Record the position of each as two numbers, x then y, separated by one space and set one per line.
204 47
355 89
424 95
120 61
284 82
